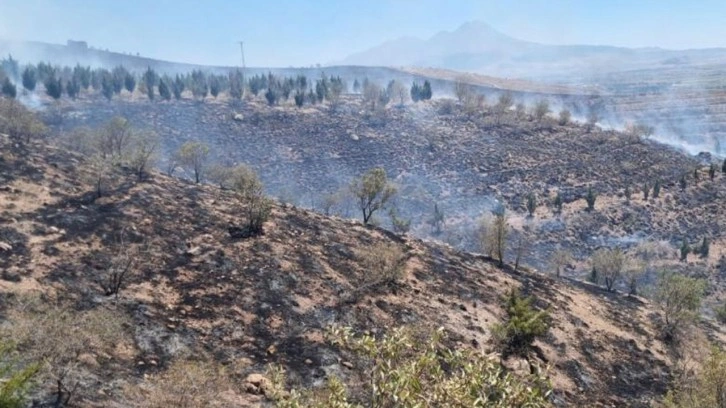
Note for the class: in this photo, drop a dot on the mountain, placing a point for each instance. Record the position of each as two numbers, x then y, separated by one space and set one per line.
477 47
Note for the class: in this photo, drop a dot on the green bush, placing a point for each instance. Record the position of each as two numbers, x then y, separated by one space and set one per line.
707 388
409 371
14 381
523 325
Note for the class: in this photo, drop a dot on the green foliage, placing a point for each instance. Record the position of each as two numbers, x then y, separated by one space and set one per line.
704 249
199 84
8 89
565 117
590 199
150 78
685 250
14 379
541 109
400 225
646 191
418 371
656 189
557 202
257 208
707 388
164 90
524 324
236 84
609 266
107 86
721 313
194 155
299 99
54 87
271 96
531 204
437 219
372 192
421 92
18 121
129 82
679 298
73 88
30 78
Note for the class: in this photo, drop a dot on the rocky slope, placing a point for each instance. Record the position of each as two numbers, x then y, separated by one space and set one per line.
243 304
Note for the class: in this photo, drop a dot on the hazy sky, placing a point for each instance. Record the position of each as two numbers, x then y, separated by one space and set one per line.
289 32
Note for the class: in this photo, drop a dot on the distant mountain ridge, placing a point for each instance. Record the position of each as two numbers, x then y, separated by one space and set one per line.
477 47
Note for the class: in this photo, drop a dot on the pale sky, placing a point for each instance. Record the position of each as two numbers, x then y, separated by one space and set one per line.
299 33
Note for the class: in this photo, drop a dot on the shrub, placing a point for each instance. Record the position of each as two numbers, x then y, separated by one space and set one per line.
646 191
245 182
679 298
683 182
15 380
721 313
707 388
408 370
565 117
384 263
656 189
559 259
703 250
523 325
400 225
541 109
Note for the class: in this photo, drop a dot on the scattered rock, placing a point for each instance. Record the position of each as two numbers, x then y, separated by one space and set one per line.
256 383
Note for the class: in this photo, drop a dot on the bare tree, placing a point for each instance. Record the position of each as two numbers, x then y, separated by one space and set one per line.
144 152
609 265
492 235
559 259
462 90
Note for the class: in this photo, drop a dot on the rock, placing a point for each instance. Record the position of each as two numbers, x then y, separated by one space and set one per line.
355 137
347 364
308 361
256 383
4 246
238 117
191 252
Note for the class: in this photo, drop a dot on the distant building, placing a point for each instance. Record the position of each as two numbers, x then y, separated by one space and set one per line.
77 45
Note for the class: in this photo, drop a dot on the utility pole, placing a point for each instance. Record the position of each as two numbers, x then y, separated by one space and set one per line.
242 48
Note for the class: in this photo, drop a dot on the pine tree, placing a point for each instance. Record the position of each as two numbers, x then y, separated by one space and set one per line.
73 88
590 198
704 249
8 88
685 250
712 171
656 189
531 204
164 91
646 191
150 80
627 193
29 78
683 183
299 99
426 92
558 202
107 87
214 86
356 86
416 92
177 87
723 167
54 87
129 82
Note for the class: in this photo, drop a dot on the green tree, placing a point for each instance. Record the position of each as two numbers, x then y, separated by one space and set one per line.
426 92
164 91
150 79
107 87
493 233
29 78
236 85
257 208
590 199
704 249
524 324
609 265
437 219
299 99
531 204
54 87
177 87
679 298
683 183
8 89
646 191
685 250
712 171
271 96
372 192
723 166
557 202
193 155
129 82
73 88
627 193
656 189
214 86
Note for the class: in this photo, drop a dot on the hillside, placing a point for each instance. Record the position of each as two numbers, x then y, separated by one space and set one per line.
242 304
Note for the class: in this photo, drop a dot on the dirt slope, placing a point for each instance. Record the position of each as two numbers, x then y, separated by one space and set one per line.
247 303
